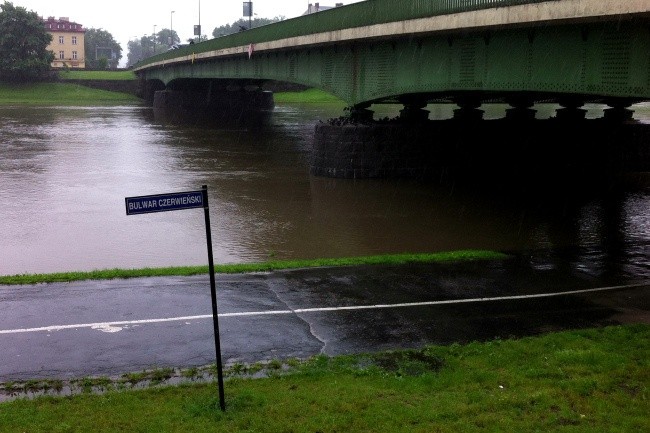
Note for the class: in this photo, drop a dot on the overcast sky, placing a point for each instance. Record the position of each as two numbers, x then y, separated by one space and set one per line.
131 19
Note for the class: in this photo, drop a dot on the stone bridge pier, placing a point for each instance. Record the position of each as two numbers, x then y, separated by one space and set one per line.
212 103
517 146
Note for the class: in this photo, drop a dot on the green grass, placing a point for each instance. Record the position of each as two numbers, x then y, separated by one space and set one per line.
307 96
63 93
97 75
587 381
74 94
249 267
60 94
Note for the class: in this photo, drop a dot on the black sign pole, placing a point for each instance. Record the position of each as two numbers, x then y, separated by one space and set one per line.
213 294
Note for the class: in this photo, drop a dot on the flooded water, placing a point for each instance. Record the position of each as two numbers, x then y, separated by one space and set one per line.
65 172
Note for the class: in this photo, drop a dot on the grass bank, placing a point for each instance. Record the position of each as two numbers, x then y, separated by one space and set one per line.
71 91
309 96
75 94
109 75
61 94
588 381
391 259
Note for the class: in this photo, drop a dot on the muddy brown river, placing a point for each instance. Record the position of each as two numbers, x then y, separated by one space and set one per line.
65 172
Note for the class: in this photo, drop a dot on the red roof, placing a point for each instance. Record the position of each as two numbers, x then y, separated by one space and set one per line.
62 24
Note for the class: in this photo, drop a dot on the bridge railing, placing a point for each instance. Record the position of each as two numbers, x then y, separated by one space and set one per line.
360 14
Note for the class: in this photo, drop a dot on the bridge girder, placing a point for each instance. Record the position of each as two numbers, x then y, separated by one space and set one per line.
574 63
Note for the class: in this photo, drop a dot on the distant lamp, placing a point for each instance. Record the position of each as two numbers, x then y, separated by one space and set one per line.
171 29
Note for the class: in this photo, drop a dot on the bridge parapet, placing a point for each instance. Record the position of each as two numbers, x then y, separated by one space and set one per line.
356 15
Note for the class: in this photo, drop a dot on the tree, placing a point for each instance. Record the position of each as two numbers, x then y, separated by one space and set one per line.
242 24
147 46
135 50
163 37
23 45
142 48
102 51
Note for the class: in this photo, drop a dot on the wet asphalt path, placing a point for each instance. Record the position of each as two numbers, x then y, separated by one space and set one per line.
111 327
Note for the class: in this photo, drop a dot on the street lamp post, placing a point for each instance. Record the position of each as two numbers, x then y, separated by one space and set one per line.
171 29
153 41
197 27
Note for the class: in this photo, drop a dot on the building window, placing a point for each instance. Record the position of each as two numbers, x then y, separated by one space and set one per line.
74 40
74 55
60 39
61 55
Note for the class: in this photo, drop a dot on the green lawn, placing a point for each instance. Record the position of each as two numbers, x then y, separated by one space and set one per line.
587 381
306 96
63 93
68 93
60 94
97 75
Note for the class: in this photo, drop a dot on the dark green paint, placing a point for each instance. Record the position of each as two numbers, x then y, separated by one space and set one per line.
601 61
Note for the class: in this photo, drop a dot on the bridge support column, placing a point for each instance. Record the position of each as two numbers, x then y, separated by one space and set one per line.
370 150
413 110
216 105
469 110
540 150
571 110
619 111
522 109
361 113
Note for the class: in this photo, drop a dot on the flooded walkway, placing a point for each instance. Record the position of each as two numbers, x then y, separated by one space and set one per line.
108 328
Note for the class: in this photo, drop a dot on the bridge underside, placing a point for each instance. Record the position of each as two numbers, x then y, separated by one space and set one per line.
567 64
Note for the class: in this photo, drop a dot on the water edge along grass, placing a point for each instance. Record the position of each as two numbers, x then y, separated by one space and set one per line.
388 259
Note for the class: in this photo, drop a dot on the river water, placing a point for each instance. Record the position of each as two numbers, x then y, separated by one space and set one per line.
65 172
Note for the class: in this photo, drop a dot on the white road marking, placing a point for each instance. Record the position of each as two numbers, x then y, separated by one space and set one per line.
117 326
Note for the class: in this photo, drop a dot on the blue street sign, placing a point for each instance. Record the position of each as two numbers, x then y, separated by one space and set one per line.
164 202
188 200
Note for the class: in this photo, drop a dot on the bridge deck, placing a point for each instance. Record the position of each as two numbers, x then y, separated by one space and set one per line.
371 52
381 19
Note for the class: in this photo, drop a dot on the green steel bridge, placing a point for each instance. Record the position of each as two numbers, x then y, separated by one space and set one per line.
416 52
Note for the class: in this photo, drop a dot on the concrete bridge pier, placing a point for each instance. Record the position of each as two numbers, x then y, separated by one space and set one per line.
619 111
571 110
521 109
223 104
361 113
517 148
469 109
413 110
